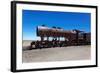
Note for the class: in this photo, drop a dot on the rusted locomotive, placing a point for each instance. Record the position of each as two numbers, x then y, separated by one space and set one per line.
70 37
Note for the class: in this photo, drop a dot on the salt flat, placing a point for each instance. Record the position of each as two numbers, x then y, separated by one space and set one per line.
57 54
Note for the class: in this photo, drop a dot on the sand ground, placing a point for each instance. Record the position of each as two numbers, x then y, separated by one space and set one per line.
57 54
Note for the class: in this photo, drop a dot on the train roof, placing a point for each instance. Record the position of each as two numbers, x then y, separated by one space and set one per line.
44 28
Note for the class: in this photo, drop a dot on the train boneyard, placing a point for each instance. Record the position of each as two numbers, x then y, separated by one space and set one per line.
70 37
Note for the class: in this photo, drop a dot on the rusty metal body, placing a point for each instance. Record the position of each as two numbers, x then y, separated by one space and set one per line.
71 37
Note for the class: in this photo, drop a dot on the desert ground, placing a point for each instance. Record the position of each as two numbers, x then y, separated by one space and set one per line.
56 54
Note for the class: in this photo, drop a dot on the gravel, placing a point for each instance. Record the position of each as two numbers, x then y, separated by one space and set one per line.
57 54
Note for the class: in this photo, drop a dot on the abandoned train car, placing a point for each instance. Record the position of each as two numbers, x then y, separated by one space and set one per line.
70 37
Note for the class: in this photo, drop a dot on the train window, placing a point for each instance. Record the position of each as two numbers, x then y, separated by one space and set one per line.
62 39
45 38
50 38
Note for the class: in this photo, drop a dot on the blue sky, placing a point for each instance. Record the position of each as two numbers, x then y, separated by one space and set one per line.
66 20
